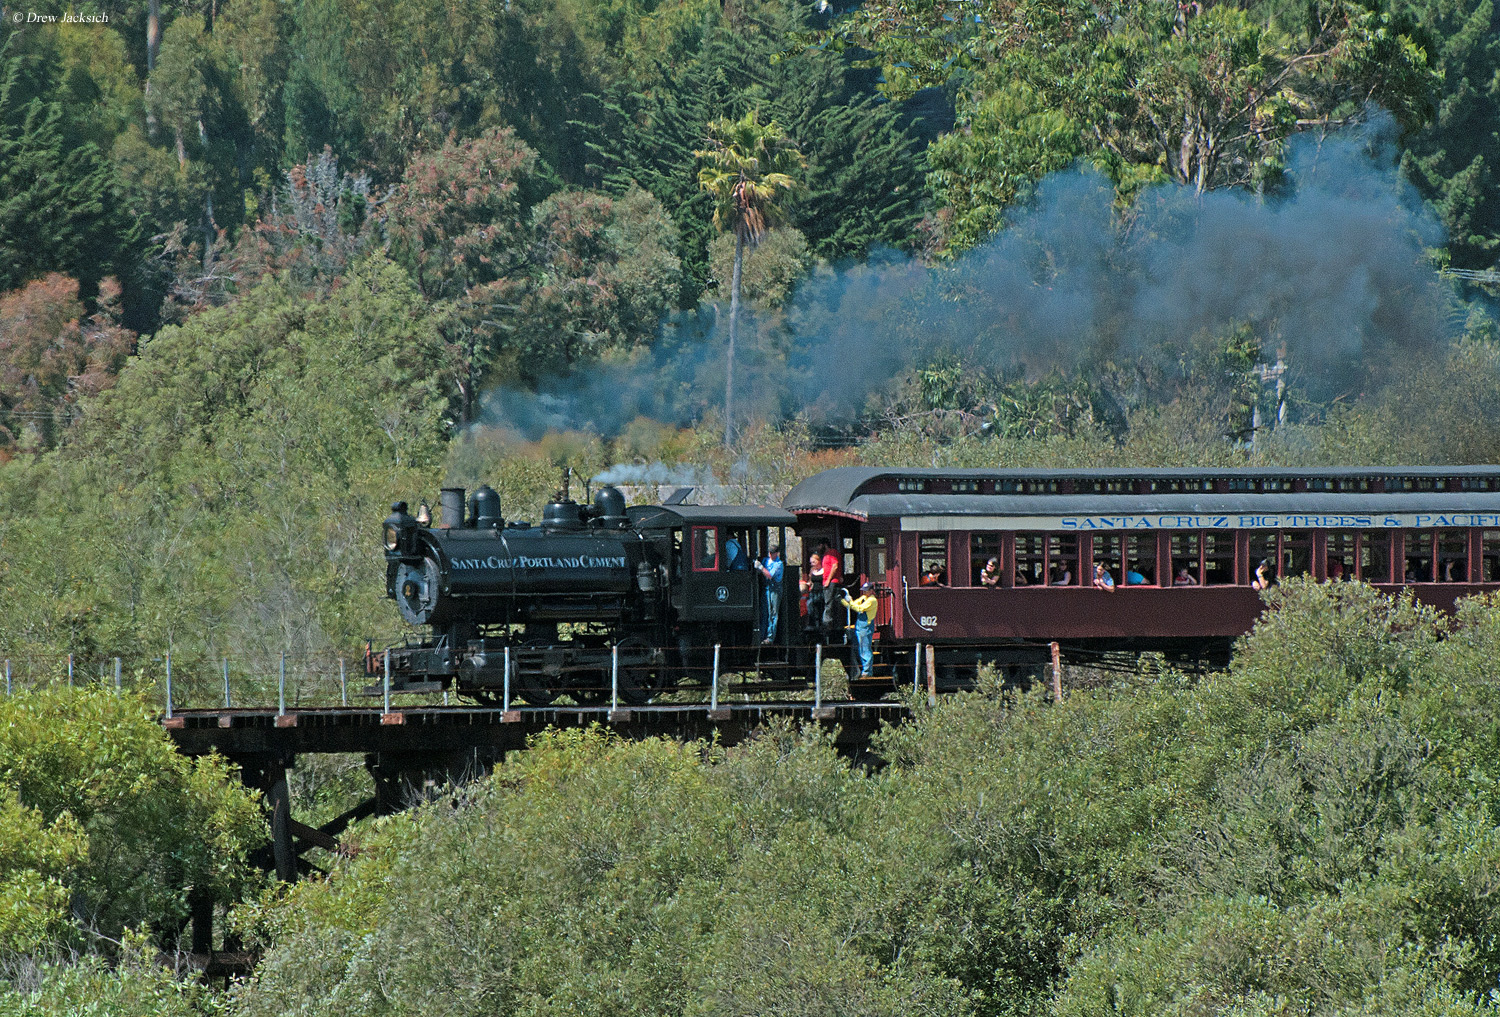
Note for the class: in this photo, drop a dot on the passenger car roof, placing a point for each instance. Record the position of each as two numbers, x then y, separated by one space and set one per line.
839 491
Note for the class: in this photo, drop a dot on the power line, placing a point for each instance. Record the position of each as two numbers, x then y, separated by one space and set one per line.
1487 275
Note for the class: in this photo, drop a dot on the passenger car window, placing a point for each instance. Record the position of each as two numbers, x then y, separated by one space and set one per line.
1375 557
933 552
1453 556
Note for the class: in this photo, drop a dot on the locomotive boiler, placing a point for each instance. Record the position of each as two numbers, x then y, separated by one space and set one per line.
597 599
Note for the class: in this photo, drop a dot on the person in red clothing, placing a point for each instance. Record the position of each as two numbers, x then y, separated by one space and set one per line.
832 595
812 600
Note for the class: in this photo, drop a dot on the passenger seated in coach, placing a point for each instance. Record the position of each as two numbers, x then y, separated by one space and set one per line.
933 576
1335 570
1061 576
1021 579
1454 571
1184 578
1102 579
1134 576
990 575
1262 580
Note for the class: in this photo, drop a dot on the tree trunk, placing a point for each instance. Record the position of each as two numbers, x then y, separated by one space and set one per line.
153 34
153 43
208 231
734 323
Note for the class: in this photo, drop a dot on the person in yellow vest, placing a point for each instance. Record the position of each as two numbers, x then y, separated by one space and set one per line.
864 607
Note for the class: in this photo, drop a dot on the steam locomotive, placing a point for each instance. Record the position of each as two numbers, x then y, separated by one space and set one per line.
599 599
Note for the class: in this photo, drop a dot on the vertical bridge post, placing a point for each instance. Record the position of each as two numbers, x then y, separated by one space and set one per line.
614 677
713 695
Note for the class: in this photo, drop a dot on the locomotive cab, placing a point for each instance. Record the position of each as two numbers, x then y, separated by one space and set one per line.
716 590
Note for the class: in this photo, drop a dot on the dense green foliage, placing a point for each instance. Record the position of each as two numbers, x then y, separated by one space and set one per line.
1453 156
107 827
60 200
135 985
271 431
1202 94
863 182
1311 832
113 159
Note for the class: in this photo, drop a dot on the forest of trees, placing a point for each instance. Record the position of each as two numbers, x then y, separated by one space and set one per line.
266 267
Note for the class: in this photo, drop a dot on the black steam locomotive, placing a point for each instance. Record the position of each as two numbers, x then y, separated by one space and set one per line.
598 599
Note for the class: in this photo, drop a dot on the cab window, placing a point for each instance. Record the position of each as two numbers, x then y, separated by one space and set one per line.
705 549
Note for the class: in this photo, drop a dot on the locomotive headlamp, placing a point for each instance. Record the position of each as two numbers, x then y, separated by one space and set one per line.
397 524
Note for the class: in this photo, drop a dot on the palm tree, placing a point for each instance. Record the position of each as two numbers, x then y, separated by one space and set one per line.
748 168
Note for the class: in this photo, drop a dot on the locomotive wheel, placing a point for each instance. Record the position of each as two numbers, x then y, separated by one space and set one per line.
535 690
641 680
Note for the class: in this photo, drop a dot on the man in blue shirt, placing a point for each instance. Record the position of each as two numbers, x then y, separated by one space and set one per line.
735 555
772 570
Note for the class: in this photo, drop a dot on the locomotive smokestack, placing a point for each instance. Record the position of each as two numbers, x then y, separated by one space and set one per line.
453 507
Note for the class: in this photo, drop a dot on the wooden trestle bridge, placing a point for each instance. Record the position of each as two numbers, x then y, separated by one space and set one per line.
412 750
409 750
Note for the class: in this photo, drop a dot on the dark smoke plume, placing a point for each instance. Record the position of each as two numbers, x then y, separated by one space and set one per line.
1331 269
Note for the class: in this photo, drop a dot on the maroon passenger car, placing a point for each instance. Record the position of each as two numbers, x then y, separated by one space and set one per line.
1181 546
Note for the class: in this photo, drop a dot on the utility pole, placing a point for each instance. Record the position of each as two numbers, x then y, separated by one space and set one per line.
1268 373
